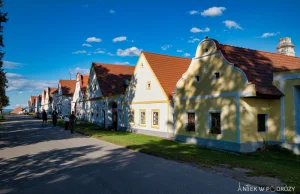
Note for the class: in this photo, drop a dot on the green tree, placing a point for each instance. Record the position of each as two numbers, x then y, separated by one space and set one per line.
4 100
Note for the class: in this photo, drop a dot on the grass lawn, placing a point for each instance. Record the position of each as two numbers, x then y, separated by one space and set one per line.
282 165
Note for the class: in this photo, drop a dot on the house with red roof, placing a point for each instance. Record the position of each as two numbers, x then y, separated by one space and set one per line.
148 104
18 110
66 90
107 84
47 99
78 102
38 104
31 104
239 99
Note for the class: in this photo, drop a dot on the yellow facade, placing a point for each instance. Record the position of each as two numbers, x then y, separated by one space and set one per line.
250 107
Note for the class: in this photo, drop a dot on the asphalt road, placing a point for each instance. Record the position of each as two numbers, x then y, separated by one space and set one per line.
36 159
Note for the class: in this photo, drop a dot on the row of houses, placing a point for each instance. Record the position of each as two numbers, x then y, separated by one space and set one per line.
225 97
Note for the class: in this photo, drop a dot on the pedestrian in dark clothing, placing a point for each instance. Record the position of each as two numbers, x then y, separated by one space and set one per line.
66 119
72 121
54 118
44 117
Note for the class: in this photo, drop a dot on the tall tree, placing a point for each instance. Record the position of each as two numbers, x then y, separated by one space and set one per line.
4 100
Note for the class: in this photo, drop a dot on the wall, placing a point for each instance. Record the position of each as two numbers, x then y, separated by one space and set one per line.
211 94
250 107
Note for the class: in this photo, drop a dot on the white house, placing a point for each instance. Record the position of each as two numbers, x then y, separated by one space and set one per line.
66 90
47 97
106 87
38 104
78 102
31 104
148 106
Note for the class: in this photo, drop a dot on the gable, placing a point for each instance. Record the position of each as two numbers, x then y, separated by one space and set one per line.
137 90
202 75
93 88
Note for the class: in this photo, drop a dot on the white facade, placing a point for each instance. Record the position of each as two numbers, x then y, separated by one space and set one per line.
141 96
38 105
286 47
63 102
78 102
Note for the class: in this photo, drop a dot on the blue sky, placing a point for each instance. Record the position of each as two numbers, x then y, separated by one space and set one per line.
45 39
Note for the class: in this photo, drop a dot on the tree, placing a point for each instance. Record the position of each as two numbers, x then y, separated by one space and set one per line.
4 100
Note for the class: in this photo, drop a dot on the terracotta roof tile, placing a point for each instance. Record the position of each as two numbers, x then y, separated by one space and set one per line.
84 83
259 66
51 91
111 77
16 110
68 86
168 69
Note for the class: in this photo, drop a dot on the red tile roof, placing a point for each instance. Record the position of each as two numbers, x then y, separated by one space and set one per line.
84 83
259 66
17 110
51 91
111 77
168 69
68 86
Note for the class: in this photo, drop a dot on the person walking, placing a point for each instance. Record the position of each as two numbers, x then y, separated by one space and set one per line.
44 117
72 121
54 118
66 119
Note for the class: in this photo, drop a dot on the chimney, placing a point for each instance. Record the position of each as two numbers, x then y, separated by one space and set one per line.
285 47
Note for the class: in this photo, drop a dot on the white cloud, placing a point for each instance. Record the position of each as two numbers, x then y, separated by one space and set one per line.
93 39
20 92
213 11
166 46
11 65
112 11
194 40
120 39
17 82
196 30
99 52
232 24
79 70
186 54
87 45
110 54
193 12
268 34
89 54
179 51
17 105
133 51
122 63
79 52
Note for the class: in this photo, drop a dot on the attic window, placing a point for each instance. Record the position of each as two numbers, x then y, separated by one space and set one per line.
142 65
217 75
206 50
197 78
148 85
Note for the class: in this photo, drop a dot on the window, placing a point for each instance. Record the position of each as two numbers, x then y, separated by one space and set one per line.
261 122
197 78
148 85
191 122
95 87
142 65
206 50
217 75
142 117
131 116
155 118
215 119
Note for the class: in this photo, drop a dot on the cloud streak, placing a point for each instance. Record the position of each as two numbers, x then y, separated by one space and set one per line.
11 65
133 51
232 24
93 39
120 39
197 30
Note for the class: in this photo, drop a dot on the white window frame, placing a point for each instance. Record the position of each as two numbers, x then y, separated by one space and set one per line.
209 121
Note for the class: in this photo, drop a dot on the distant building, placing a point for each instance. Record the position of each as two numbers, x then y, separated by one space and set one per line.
66 90
78 102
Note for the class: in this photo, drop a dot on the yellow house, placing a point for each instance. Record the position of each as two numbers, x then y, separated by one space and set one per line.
237 99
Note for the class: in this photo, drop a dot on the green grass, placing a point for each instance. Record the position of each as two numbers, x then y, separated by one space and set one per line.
283 165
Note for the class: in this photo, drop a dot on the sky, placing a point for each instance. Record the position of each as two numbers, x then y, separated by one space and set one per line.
54 39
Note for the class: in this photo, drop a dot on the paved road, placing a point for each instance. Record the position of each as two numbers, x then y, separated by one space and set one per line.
51 160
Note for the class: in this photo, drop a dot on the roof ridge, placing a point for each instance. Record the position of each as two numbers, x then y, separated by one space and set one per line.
259 50
97 63
165 55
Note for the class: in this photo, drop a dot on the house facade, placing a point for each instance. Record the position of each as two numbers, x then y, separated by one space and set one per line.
237 99
38 104
148 106
31 104
65 93
106 86
78 102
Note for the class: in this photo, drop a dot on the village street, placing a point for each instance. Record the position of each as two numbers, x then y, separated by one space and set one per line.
51 160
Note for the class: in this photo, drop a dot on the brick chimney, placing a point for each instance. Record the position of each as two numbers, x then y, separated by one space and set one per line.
285 47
